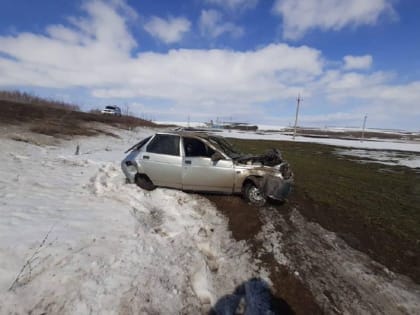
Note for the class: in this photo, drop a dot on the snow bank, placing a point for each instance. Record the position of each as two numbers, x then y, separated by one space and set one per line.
90 243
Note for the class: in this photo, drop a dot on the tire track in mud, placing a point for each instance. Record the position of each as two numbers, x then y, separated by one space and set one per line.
313 270
291 295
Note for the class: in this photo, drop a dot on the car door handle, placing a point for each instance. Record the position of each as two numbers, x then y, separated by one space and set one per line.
187 162
146 157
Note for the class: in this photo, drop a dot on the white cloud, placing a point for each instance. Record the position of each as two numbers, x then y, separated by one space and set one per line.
375 89
79 55
79 52
64 34
208 76
234 4
400 96
105 24
357 62
96 53
211 24
329 118
169 31
300 16
335 80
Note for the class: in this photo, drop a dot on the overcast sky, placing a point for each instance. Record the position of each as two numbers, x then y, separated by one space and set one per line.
245 60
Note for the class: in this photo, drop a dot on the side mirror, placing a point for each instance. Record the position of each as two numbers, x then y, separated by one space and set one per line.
217 156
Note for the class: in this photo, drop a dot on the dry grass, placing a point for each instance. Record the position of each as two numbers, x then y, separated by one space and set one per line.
56 118
26 98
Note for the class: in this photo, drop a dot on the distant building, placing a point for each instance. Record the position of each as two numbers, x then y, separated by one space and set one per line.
232 126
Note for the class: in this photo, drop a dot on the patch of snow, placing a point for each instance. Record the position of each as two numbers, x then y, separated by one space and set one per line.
271 127
76 239
359 129
367 144
271 240
182 123
342 279
411 160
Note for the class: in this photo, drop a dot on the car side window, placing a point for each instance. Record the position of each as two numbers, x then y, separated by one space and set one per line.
194 147
164 144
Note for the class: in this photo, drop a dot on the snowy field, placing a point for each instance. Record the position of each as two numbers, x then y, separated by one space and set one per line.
413 146
394 152
376 144
400 158
74 238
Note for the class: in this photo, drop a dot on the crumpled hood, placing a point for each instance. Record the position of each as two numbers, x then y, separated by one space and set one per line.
271 157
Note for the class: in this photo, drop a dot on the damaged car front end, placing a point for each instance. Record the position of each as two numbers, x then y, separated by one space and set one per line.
258 177
197 161
268 175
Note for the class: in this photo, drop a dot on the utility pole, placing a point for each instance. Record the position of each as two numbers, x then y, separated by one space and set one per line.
298 100
363 128
127 109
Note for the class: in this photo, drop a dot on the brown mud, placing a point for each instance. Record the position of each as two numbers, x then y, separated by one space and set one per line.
313 270
245 224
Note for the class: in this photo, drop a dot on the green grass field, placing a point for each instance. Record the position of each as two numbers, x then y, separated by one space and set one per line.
375 207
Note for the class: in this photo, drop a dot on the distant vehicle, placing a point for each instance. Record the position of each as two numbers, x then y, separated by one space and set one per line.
195 161
111 110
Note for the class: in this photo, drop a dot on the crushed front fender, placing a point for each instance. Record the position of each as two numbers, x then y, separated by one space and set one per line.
276 188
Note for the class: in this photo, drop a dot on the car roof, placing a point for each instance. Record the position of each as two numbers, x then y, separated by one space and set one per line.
190 133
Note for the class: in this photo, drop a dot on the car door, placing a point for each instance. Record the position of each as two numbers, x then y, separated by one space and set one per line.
162 161
200 173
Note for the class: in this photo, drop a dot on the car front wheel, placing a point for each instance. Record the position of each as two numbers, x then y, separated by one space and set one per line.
253 194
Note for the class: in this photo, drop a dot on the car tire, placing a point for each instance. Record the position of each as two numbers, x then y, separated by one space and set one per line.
253 194
144 182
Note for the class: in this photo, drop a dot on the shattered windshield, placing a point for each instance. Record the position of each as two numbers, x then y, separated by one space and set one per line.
225 146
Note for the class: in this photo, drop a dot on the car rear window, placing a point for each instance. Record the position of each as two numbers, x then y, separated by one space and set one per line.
164 144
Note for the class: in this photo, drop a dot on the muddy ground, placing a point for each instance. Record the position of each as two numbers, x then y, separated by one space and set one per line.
375 208
246 224
313 270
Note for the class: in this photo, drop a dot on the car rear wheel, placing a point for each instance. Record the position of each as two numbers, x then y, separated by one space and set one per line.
144 182
253 194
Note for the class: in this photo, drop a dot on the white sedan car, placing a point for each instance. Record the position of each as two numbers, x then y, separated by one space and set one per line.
195 161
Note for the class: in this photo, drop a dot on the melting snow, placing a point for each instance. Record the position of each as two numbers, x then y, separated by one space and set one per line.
412 146
385 157
342 280
90 243
75 239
